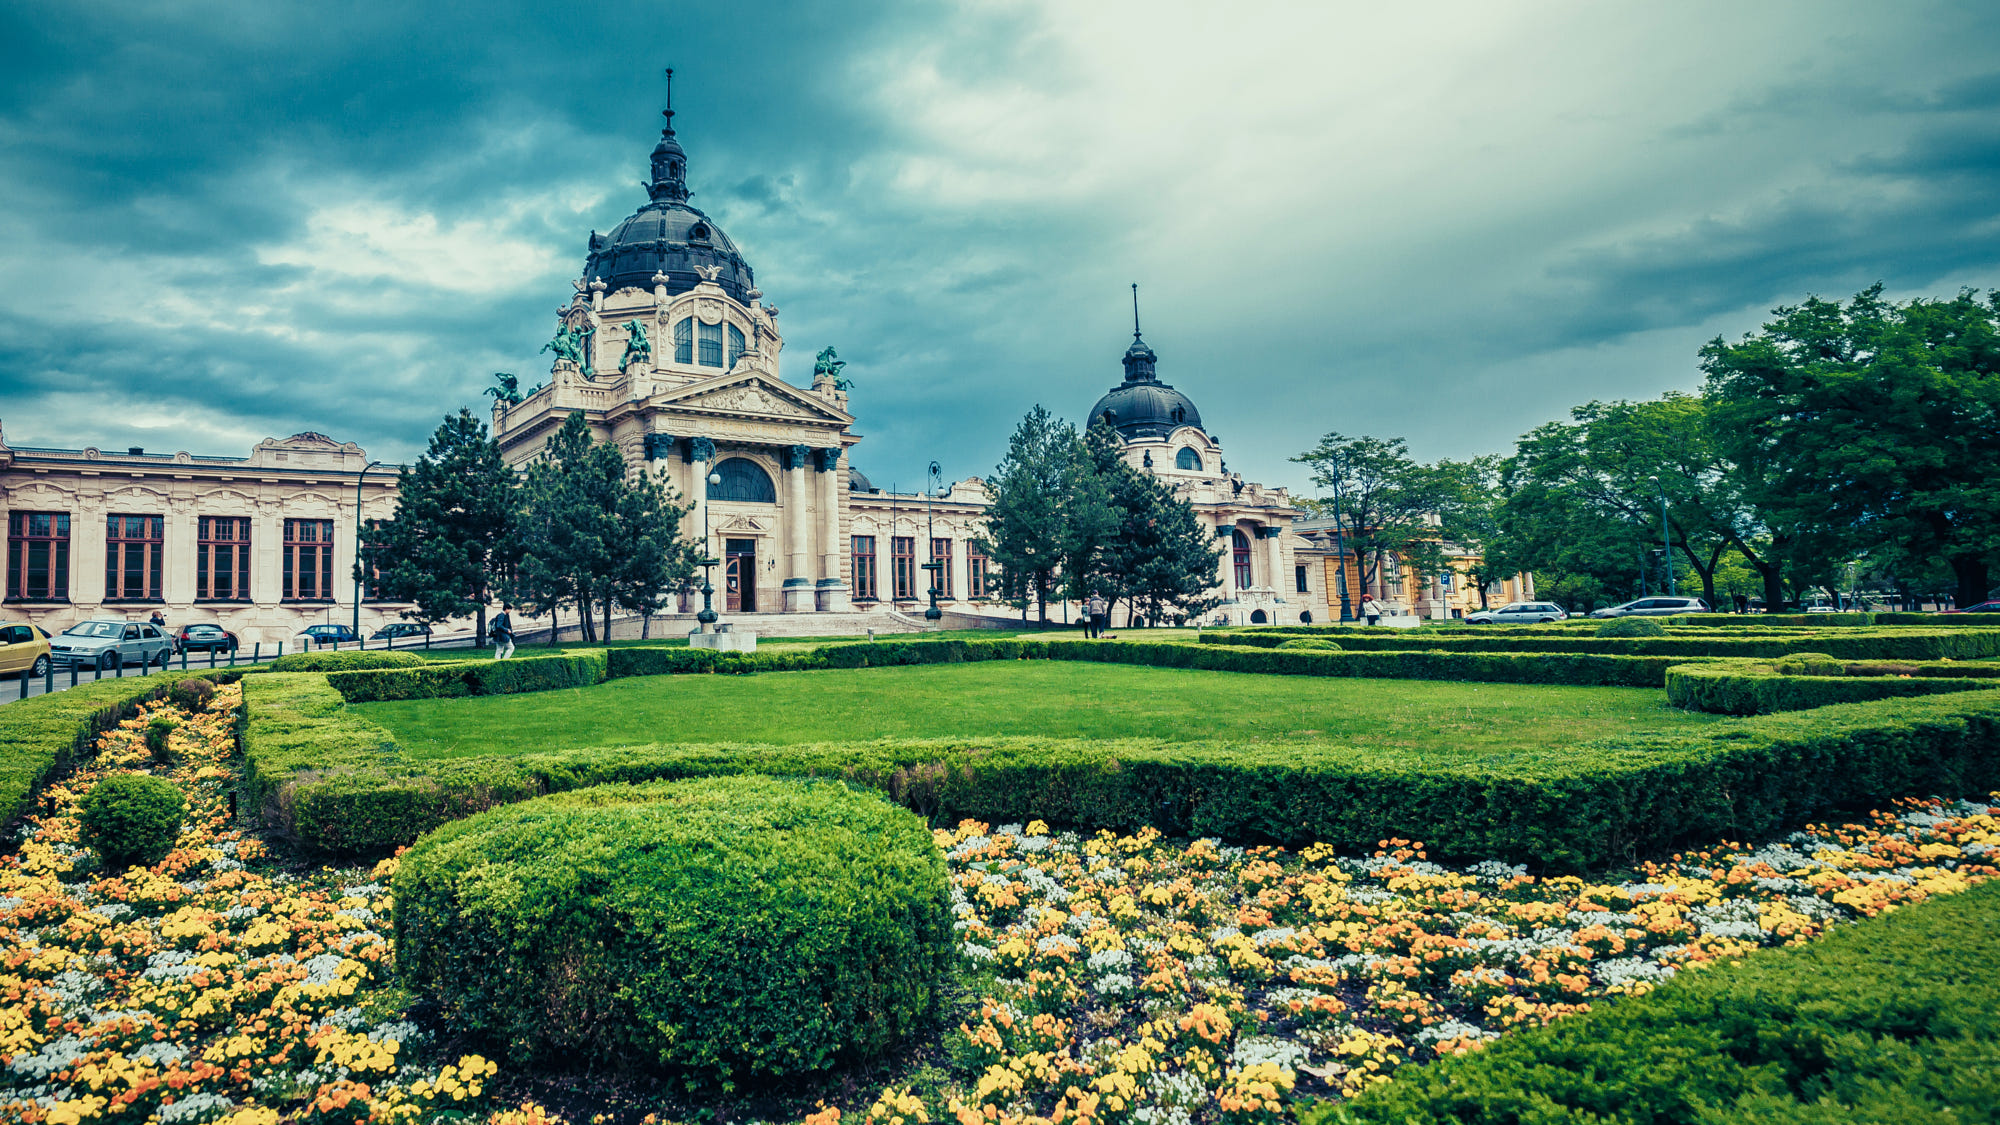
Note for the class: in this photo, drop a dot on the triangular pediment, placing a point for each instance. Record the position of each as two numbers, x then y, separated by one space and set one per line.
751 395
742 523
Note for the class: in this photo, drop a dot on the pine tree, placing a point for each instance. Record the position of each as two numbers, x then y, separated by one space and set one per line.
446 550
571 542
1025 528
658 560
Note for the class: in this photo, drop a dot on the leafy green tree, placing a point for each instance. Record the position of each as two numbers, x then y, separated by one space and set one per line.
1388 500
1870 424
1025 524
571 543
447 550
1150 549
657 560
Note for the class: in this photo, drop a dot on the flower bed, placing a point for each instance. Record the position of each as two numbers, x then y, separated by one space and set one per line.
1123 978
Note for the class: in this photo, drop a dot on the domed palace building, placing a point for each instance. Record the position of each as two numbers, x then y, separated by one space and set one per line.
670 351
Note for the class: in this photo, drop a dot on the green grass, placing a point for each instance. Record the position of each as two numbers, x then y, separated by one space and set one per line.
1064 700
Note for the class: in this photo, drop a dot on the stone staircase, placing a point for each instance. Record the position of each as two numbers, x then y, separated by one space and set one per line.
767 626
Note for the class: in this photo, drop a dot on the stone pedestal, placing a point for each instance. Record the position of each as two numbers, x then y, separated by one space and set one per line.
724 639
799 596
831 596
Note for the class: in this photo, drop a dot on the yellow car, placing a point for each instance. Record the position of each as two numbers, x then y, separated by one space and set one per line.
23 648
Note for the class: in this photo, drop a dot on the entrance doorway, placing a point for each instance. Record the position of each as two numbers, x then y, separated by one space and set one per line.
739 576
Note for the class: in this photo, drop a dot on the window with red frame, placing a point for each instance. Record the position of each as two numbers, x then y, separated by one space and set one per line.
133 546
309 560
38 556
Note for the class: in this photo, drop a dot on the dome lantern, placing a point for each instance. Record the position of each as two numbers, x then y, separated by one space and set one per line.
1142 406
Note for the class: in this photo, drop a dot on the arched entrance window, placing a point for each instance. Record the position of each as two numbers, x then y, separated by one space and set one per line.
744 481
1240 545
1306 618
1187 458
1257 617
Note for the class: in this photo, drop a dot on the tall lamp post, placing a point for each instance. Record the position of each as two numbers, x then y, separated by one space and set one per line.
936 565
707 616
358 478
1666 539
1340 541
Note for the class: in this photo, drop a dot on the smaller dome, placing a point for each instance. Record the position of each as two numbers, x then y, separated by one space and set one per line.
856 482
1145 408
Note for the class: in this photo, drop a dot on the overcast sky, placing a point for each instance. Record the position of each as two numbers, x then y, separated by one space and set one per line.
1447 222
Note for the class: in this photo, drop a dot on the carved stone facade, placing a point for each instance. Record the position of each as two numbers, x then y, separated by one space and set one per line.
262 545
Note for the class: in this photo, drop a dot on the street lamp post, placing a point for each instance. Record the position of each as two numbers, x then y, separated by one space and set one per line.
1340 542
1666 539
358 478
936 565
707 616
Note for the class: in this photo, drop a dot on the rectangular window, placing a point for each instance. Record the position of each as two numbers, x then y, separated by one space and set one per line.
684 340
38 556
309 560
1300 577
903 567
222 559
711 344
975 572
132 549
941 553
864 568
737 345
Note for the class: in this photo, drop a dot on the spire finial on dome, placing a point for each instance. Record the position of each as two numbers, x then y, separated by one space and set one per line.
1135 311
1138 358
669 160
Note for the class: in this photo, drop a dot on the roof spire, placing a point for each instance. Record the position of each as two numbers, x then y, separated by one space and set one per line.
1135 310
669 161
1139 358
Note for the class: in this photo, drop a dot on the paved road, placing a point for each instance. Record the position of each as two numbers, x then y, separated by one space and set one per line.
10 686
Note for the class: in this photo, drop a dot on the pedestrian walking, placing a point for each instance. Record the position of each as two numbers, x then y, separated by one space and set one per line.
1100 614
158 619
1372 610
503 635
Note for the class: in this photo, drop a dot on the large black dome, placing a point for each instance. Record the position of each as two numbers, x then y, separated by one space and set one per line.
1142 406
668 236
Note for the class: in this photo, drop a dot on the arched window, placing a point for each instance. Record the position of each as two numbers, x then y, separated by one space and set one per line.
1306 617
1187 458
684 340
743 481
1257 617
737 345
711 344
1240 547
1110 419
1178 414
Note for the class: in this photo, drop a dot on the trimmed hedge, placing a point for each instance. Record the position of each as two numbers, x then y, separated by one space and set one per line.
338 661
1588 806
1874 644
726 926
1759 689
429 680
44 733
1630 627
1891 1019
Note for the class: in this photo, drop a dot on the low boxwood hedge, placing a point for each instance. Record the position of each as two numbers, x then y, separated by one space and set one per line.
745 926
1760 689
337 661
1892 1019
42 734
1869 644
430 680
1578 807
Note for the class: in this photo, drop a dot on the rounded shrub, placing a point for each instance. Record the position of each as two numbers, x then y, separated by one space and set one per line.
345 661
193 693
1631 627
1309 644
158 731
1809 664
720 927
132 819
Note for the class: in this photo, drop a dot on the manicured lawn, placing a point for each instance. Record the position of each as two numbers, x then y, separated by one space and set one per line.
1456 721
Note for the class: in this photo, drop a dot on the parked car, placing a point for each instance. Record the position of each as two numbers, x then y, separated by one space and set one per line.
1653 607
109 643
1518 613
400 630
204 638
23 648
1982 607
319 636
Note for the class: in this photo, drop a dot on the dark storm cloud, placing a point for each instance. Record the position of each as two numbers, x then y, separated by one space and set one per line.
227 221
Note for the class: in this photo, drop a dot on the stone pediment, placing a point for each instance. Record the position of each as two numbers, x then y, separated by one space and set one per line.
751 395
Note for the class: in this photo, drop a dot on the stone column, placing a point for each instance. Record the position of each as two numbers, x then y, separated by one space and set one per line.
1280 581
86 551
798 575
832 594
701 453
179 573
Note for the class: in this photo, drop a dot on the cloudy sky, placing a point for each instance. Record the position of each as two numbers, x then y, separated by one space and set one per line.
1447 222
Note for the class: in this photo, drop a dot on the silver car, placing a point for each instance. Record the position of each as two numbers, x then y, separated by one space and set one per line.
109 644
1654 607
1518 613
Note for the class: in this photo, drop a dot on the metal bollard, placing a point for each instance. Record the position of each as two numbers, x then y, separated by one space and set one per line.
74 672
184 659
211 656
24 682
49 678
